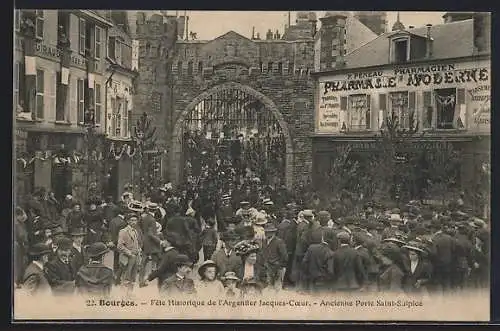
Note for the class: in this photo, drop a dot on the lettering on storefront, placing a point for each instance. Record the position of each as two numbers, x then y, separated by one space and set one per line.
55 53
416 145
480 104
330 113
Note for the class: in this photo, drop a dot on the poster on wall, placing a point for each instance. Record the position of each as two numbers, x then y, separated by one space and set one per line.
329 114
480 108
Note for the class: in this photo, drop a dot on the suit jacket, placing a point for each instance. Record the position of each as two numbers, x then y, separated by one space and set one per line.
287 230
274 254
115 225
35 281
151 243
317 264
368 261
78 260
94 279
348 270
390 279
60 276
167 266
174 285
443 251
226 263
129 243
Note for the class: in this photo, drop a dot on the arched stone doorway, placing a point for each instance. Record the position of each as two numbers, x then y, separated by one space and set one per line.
220 113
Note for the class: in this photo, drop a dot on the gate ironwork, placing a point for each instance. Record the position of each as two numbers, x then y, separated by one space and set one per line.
231 137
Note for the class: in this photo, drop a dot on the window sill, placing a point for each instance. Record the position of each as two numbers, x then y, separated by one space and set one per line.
22 119
68 123
434 130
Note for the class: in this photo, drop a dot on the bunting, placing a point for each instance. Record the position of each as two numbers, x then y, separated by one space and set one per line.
75 158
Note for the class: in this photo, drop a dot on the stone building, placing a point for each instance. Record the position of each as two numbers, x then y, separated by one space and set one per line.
59 64
436 76
234 87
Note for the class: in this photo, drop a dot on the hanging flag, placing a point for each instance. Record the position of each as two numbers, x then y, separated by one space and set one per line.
30 64
91 80
65 76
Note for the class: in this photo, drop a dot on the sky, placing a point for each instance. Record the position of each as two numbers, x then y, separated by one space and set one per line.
211 24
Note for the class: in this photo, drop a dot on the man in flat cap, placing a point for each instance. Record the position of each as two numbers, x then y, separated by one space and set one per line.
274 256
34 281
130 248
59 271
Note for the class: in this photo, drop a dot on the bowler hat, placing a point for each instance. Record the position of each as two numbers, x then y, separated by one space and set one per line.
230 275
39 249
269 227
206 264
64 243
183 260
97 249
78 232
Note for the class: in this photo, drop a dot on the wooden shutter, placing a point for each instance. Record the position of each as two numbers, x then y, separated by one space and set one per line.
73 103
368 111
74 32
382 106
50 95
111 47
460 110
412 106
428 111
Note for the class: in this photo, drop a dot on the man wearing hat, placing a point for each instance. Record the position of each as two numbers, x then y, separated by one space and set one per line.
224 213
274 257
77 251
287 230
130 248
225 257
443 259
152 243
115 225
180 283
53 234
167 267
420 271
305 237
349 273
34 279
95 279
75 218
59 271
317 266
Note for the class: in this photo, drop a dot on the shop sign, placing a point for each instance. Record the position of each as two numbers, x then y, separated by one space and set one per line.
480 103
55 53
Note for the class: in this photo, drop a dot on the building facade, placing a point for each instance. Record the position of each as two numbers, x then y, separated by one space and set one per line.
231 88
435 80
59 64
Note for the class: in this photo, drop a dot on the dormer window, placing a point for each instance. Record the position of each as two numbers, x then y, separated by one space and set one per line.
401 50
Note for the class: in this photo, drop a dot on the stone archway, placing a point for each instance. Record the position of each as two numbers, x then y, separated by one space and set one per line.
176 142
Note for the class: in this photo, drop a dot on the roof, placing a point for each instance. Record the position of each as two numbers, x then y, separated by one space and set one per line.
459 34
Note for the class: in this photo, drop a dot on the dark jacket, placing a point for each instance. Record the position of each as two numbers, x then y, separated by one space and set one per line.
422 273
443 251
317 264
78 260
348 270
174 285
115 225
35 281
390 279
208 237
76 220
94 279
287 230
226 263
60 276
274 254
167 266
151 244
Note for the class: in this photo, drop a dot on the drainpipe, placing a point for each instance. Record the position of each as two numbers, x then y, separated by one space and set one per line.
428 53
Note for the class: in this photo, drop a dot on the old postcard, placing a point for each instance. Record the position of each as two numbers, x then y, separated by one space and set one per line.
223 165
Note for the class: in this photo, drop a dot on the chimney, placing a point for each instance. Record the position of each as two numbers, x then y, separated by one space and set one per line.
411 27
482 32
253 32
428 45
332 32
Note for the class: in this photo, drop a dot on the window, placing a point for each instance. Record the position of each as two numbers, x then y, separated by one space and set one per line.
280 68
382 106
190 69
200 68
81 36
359 112
270 67
261 66
401 50
97 42
446 101
118 117
16 85
17 19
39 24
290 67
39 93
80 99
60 111
111 47
179 68
402 109
113 118
98 102
428 110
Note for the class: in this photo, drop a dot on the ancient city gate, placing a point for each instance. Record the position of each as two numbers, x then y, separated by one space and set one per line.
240 127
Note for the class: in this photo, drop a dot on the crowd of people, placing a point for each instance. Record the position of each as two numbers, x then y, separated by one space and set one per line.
249 240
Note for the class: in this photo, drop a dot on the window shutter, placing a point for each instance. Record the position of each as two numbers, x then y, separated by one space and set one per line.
461 109
111 47
412 101
382 106
428 111
368 111
73 103
50 92
343 103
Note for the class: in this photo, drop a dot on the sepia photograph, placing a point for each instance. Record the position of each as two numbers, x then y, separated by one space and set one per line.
251 165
